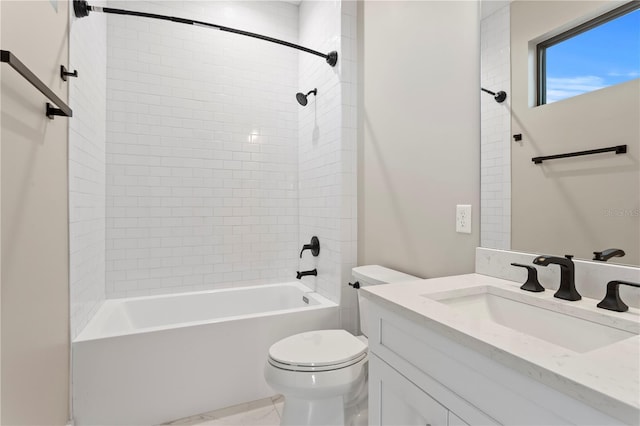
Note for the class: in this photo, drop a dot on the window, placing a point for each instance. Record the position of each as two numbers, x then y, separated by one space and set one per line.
600 53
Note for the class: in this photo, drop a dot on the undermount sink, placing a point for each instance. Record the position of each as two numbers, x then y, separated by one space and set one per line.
541 318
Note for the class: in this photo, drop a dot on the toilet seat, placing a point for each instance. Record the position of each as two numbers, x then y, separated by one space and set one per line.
322 350
309 368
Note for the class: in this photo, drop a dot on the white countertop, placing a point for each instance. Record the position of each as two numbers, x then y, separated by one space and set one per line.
606 378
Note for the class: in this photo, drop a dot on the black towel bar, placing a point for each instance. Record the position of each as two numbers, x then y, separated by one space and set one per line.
619 149
63 109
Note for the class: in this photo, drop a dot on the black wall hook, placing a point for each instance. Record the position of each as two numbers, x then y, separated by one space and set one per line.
64 73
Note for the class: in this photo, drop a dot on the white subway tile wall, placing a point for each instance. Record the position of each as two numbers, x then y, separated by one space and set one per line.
495 169
327 151
202 156
349 162
87 98
319 140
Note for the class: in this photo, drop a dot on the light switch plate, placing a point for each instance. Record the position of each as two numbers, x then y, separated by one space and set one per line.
463 218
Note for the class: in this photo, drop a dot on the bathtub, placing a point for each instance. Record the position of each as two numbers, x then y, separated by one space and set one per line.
149 360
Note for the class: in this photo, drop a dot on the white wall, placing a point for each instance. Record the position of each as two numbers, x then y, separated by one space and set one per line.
420 146
35 275
495 163
87 175
202 157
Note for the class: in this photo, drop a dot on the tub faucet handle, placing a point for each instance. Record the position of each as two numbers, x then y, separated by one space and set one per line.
314 247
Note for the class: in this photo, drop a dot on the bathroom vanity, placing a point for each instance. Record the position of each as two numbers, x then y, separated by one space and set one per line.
477 350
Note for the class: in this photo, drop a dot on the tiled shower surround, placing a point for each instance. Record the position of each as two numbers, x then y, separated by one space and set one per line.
495 165
87 97
327 150
202 162
213 175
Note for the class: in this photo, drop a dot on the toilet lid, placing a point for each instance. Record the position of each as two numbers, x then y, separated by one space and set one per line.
317 350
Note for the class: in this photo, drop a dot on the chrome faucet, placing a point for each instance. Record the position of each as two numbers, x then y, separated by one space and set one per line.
567 290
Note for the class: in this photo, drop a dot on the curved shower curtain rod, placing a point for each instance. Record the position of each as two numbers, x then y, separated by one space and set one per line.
81 9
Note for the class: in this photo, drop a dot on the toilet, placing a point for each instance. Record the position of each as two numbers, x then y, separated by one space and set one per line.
322 374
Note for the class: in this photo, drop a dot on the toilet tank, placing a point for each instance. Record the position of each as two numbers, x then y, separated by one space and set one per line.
373 275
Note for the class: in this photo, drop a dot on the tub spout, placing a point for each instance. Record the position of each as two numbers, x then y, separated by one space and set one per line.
313 272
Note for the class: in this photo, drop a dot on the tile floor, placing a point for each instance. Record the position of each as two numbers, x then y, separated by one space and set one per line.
263 412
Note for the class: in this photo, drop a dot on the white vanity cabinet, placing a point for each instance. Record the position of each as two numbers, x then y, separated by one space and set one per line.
420 375
400 402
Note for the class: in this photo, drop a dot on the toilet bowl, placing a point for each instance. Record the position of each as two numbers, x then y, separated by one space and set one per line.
323 374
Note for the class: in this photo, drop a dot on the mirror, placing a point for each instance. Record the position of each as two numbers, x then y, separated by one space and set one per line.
575 205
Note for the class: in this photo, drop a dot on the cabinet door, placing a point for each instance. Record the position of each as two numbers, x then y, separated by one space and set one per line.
395 400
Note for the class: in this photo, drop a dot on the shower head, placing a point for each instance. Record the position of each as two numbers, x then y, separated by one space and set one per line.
499 97
302 98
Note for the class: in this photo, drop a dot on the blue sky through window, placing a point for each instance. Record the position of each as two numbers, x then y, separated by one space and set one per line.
600 57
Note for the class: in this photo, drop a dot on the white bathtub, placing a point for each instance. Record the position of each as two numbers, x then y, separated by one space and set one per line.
149 360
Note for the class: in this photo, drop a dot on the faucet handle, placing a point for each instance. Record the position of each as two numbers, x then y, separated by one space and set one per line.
532 283
612 299
314 247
